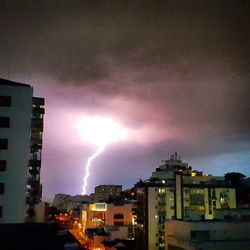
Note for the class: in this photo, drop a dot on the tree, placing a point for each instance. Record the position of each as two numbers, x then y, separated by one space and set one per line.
234 178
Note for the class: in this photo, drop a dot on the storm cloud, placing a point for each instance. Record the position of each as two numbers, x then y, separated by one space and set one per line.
175 73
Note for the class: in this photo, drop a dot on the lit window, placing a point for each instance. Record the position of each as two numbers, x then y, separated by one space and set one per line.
162 191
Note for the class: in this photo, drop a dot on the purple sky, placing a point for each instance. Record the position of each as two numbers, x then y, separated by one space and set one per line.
175 73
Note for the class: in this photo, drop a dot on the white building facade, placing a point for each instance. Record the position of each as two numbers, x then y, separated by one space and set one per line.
207 235
21 127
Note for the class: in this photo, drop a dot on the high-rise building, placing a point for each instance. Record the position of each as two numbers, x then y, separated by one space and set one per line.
21 128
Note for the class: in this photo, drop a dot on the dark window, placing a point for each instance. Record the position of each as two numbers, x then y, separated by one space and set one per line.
1 188
118 216
200 236
2 165
4 122
1 211
197 199
5 101
3 143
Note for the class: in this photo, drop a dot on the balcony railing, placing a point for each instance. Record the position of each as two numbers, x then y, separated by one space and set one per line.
35 163
38 111
38 101
37 124
35 140
34 171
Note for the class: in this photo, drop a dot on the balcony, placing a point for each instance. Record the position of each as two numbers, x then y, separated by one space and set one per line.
37 124
33 182
34 171
34 163
34 148
38 111
35 140
38 101
162 203
162 213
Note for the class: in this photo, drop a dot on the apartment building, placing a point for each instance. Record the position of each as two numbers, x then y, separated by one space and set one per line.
108 214
21 128
207 235
105 192
175 191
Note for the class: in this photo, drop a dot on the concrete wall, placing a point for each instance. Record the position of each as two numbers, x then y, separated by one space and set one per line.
15 176
178 233
125 209
152 217
42 212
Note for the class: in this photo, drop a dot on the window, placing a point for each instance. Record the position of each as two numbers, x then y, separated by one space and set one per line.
3 143
4 122
5 101
162 191
118 216
2 165
1 211
1 188
202 235
197 199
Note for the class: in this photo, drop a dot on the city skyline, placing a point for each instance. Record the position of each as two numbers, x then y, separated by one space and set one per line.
175 75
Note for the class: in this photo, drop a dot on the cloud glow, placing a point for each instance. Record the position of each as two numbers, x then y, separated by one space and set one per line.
101 132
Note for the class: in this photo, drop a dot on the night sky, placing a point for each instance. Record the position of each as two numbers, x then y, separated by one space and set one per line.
175 73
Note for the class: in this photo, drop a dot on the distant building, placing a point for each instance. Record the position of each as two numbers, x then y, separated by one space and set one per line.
105 192
117 218
108 214
61 201
21 129
42 212
66 202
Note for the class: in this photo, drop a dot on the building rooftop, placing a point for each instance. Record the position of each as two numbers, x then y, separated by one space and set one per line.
12 83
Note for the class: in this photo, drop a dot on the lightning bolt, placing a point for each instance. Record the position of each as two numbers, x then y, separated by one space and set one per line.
85 179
